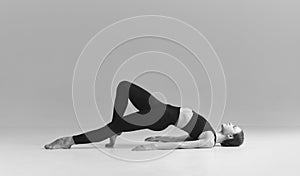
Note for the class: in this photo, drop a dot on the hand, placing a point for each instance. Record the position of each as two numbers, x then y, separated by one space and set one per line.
154 139
144 147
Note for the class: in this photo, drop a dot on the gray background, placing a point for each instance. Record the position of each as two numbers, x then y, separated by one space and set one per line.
257 42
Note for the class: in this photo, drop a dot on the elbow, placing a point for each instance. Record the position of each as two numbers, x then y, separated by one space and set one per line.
211 144
208 144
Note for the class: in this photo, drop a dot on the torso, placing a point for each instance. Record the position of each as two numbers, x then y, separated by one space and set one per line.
185 117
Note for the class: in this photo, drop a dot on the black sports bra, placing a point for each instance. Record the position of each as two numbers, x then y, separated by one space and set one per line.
197 125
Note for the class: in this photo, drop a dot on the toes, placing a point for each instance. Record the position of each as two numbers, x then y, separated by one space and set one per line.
47 146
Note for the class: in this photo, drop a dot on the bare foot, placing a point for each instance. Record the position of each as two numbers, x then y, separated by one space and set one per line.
61 143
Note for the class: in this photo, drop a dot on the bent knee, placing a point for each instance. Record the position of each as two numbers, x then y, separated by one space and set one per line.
124 84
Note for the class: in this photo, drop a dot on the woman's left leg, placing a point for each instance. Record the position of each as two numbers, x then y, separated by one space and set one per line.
152 115
141 99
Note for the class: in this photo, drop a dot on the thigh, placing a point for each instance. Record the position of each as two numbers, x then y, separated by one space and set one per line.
142 99
157 119
144 119
169 117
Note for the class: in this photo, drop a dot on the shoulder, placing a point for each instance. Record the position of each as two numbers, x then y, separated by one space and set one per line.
207 135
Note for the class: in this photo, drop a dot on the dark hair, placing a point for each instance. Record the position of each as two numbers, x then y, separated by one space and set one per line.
237 140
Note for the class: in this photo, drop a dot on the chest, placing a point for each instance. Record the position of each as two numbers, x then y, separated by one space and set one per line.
185 116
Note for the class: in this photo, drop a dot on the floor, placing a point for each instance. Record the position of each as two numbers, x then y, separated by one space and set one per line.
266 151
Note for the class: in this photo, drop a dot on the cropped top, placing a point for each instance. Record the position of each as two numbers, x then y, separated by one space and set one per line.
197 125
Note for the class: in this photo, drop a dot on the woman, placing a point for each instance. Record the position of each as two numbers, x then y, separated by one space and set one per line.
155 115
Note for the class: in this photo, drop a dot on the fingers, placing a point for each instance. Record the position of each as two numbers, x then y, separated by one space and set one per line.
139 148
149 139
153 139
109 145
144 147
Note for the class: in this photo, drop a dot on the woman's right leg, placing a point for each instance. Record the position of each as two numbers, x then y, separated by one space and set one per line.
141 99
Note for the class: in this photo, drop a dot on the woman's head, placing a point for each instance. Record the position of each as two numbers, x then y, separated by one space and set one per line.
234 135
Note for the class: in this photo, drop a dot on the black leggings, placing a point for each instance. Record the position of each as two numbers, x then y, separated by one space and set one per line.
152 114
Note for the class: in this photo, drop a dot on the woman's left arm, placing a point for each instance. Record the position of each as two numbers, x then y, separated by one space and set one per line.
200 143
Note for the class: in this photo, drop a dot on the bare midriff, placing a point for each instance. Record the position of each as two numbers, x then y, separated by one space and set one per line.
185 116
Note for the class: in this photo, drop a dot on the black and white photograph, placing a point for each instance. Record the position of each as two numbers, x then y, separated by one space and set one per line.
150 88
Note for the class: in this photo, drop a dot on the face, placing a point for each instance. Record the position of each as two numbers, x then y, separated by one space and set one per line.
229 129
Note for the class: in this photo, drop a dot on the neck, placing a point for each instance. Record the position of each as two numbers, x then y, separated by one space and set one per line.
220 137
